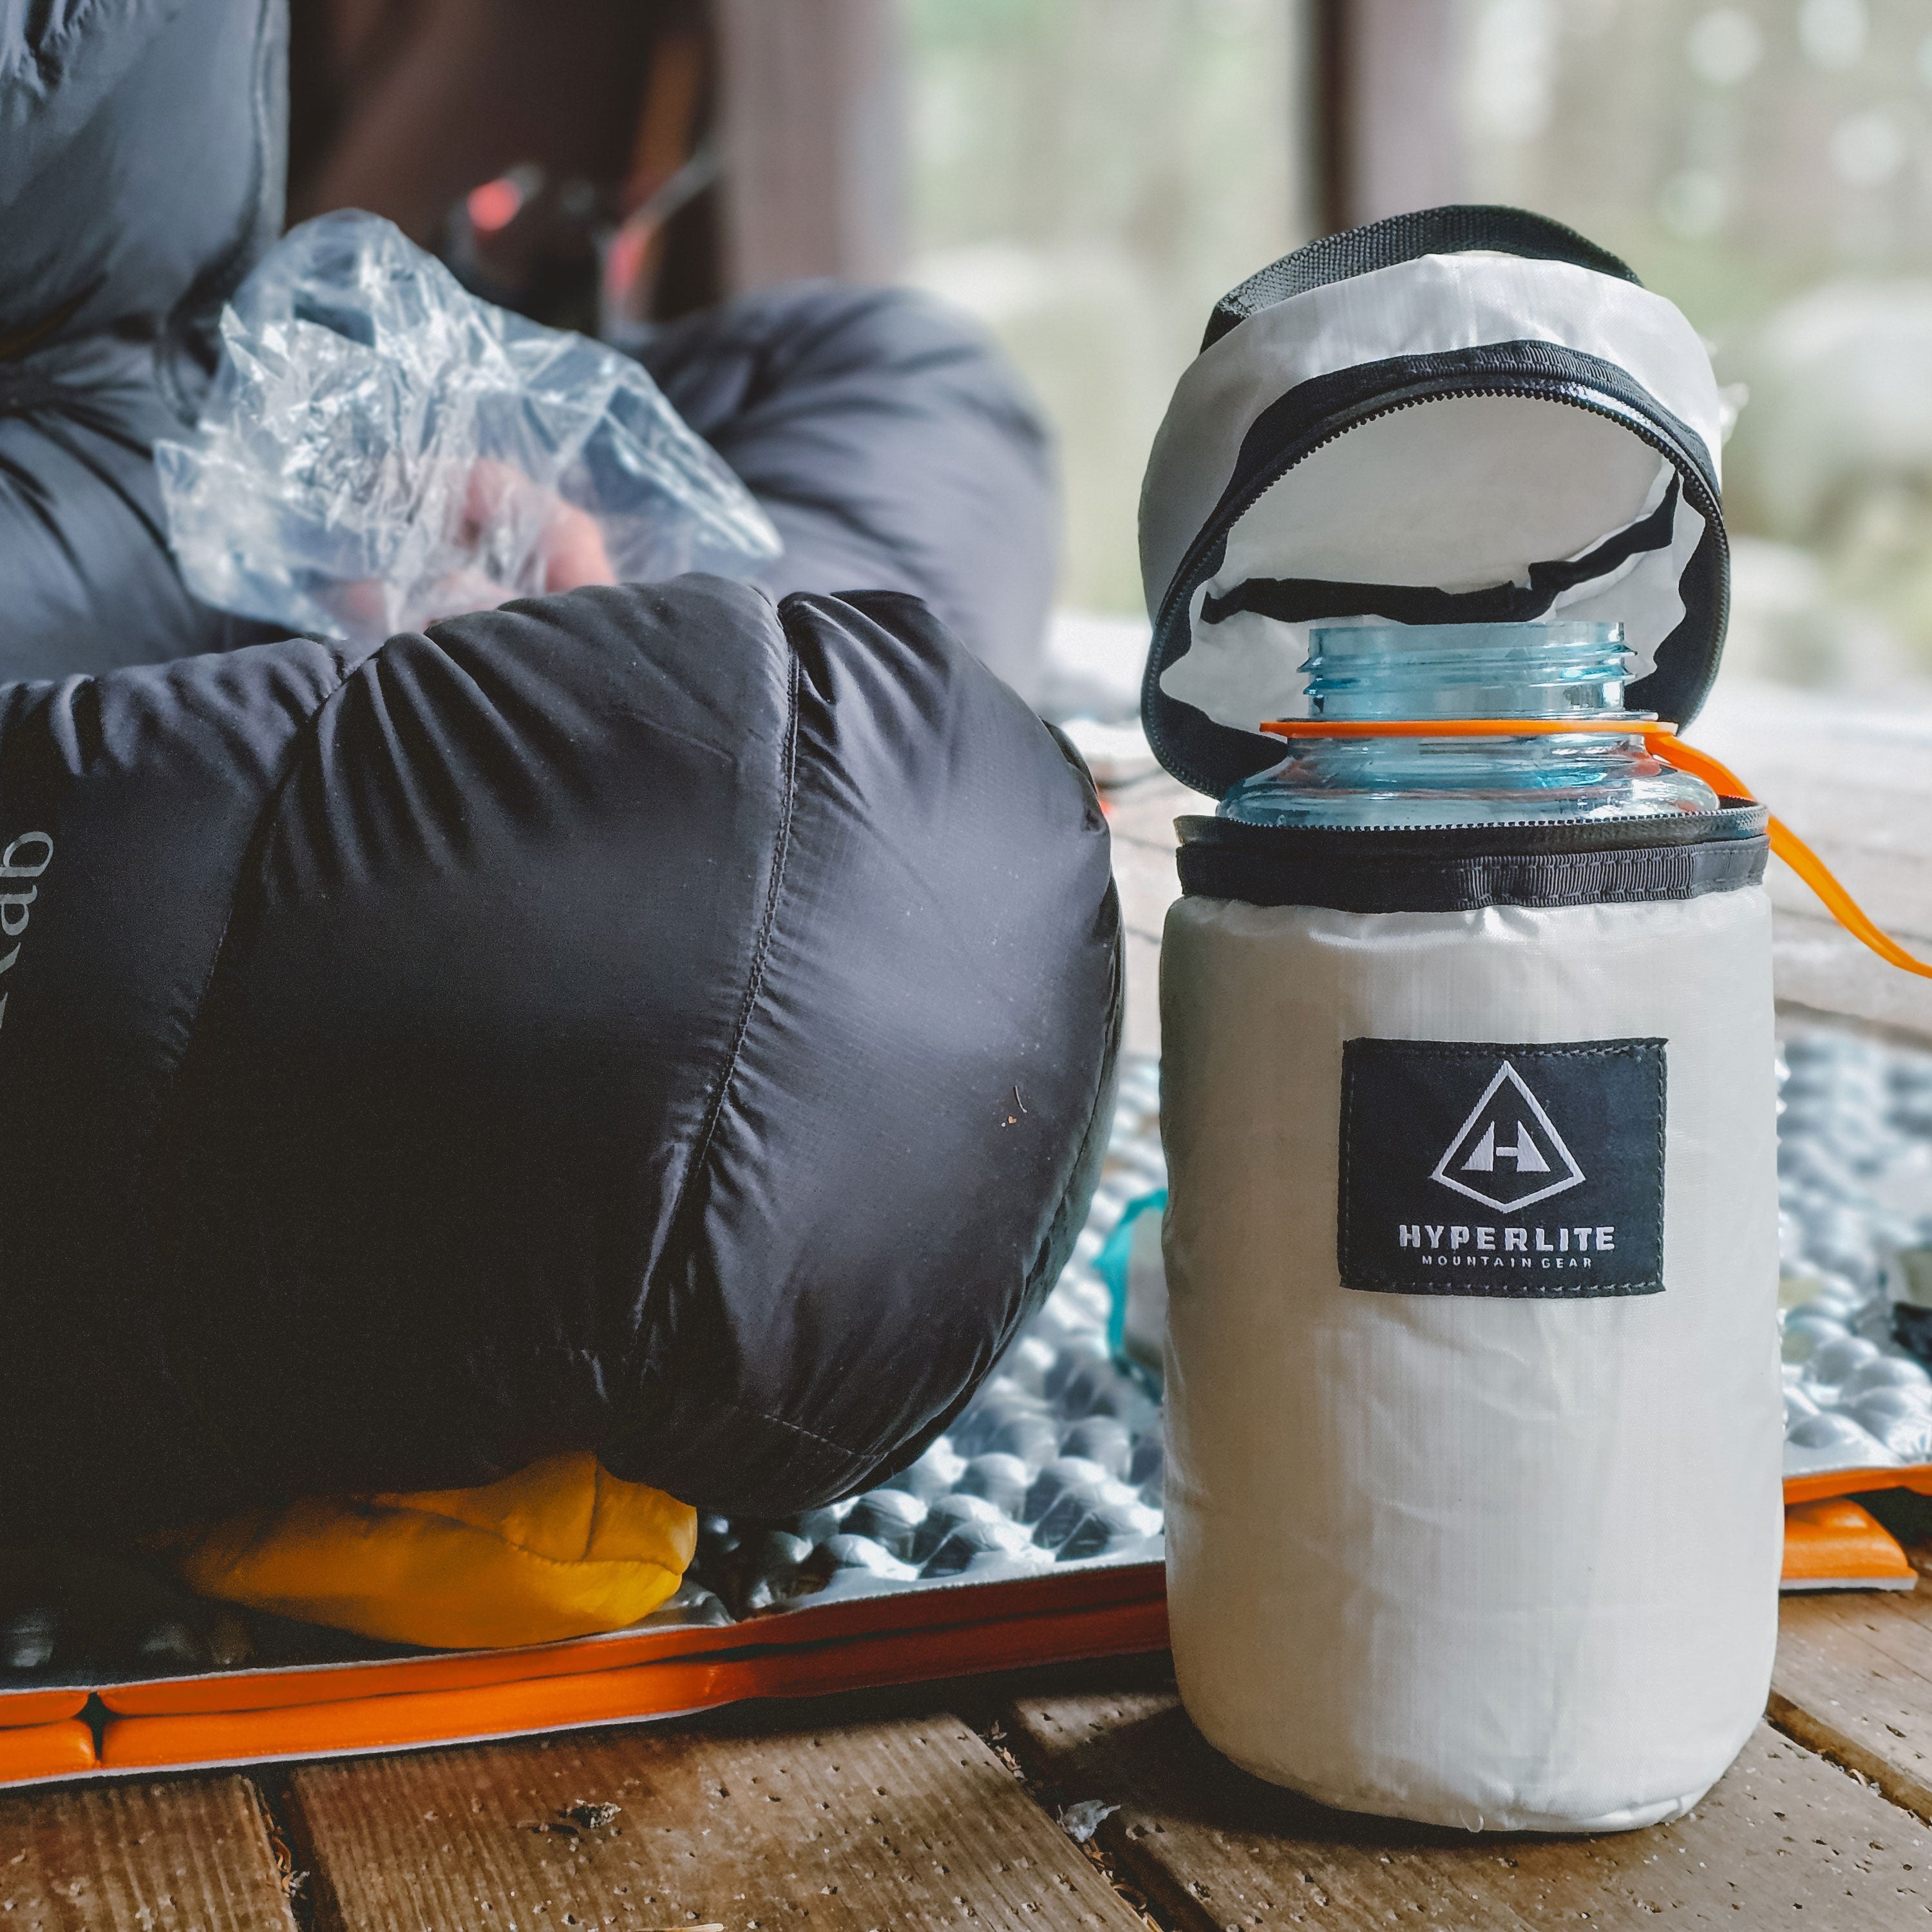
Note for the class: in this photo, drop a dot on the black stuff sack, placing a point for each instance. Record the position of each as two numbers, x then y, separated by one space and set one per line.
647 1021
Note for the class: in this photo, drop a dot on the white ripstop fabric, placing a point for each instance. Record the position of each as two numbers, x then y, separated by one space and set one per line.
1500 1563
1423 307
1458 494
1461 494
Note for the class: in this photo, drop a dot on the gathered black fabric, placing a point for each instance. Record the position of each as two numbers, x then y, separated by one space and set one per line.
675 1021
641 1019
889 444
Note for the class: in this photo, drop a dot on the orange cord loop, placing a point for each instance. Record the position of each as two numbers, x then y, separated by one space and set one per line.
1663 740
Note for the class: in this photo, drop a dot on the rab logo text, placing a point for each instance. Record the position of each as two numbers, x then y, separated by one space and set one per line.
27 857
1477 1167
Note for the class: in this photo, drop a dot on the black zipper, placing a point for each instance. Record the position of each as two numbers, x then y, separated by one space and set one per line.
1565 391
1706 824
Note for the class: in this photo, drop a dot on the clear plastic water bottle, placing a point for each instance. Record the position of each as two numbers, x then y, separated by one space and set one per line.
1549 670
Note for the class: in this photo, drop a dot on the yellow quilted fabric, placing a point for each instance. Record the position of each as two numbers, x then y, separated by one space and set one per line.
561 1550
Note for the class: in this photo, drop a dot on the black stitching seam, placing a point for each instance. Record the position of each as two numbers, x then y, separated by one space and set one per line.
1596 1291
1554 881
791 1428
754 986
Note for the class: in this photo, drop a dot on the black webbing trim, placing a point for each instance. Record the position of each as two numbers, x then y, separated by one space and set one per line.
1406 238
1463 869
1298 600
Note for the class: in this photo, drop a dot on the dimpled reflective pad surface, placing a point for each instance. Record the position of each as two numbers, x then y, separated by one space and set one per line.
1855 1185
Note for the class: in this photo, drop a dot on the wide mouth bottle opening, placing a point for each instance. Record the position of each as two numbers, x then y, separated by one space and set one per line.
1395 671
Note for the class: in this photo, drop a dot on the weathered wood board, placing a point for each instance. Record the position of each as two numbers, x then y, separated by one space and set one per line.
1785 1832
1854 781
1854 1681
1140 817
176 1857
904 1824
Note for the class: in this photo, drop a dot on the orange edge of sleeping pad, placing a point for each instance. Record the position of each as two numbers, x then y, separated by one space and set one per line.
1916 1477
37 1751
561 1550
1663 742
661 1689
816 1623
1835 1541
19 1709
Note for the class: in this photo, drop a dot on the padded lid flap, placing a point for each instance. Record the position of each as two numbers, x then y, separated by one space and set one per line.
1469 415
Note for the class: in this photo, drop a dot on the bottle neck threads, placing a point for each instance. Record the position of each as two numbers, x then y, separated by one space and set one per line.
1425 674
1467 670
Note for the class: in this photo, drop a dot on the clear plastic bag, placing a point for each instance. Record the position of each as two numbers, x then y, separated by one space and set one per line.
380 449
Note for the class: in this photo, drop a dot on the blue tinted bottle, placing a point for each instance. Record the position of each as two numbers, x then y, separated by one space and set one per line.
1554 671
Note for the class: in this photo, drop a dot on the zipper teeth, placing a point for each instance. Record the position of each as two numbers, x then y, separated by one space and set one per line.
1499 824
1266 480
1469 825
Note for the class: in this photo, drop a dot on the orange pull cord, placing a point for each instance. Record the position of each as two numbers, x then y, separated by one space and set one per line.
1662 740
1793 851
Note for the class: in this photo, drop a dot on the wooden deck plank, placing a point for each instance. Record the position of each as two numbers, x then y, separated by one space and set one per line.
1854 1682
177 1857
907 1823
1143 813
1212 1847
1145 876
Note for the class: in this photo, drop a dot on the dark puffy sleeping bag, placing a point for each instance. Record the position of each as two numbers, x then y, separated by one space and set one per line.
653 1020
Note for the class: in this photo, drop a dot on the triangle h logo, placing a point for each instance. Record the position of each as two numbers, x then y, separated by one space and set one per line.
1507 1154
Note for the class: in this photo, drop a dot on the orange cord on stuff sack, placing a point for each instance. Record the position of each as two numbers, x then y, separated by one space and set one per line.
1662 740
1792 850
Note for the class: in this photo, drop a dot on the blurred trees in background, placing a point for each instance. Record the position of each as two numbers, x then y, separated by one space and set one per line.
1090 176
1767 164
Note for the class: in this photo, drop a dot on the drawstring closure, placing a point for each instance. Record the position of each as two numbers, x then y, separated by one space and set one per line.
1663 742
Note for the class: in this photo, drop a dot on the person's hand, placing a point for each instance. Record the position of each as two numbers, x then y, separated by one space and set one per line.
569 544
513 538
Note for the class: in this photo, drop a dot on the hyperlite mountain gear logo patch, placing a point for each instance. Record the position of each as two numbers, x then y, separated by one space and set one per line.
1482 1168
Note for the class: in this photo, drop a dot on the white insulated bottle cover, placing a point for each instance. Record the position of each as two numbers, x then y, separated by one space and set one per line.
1473 1502
1474 1413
